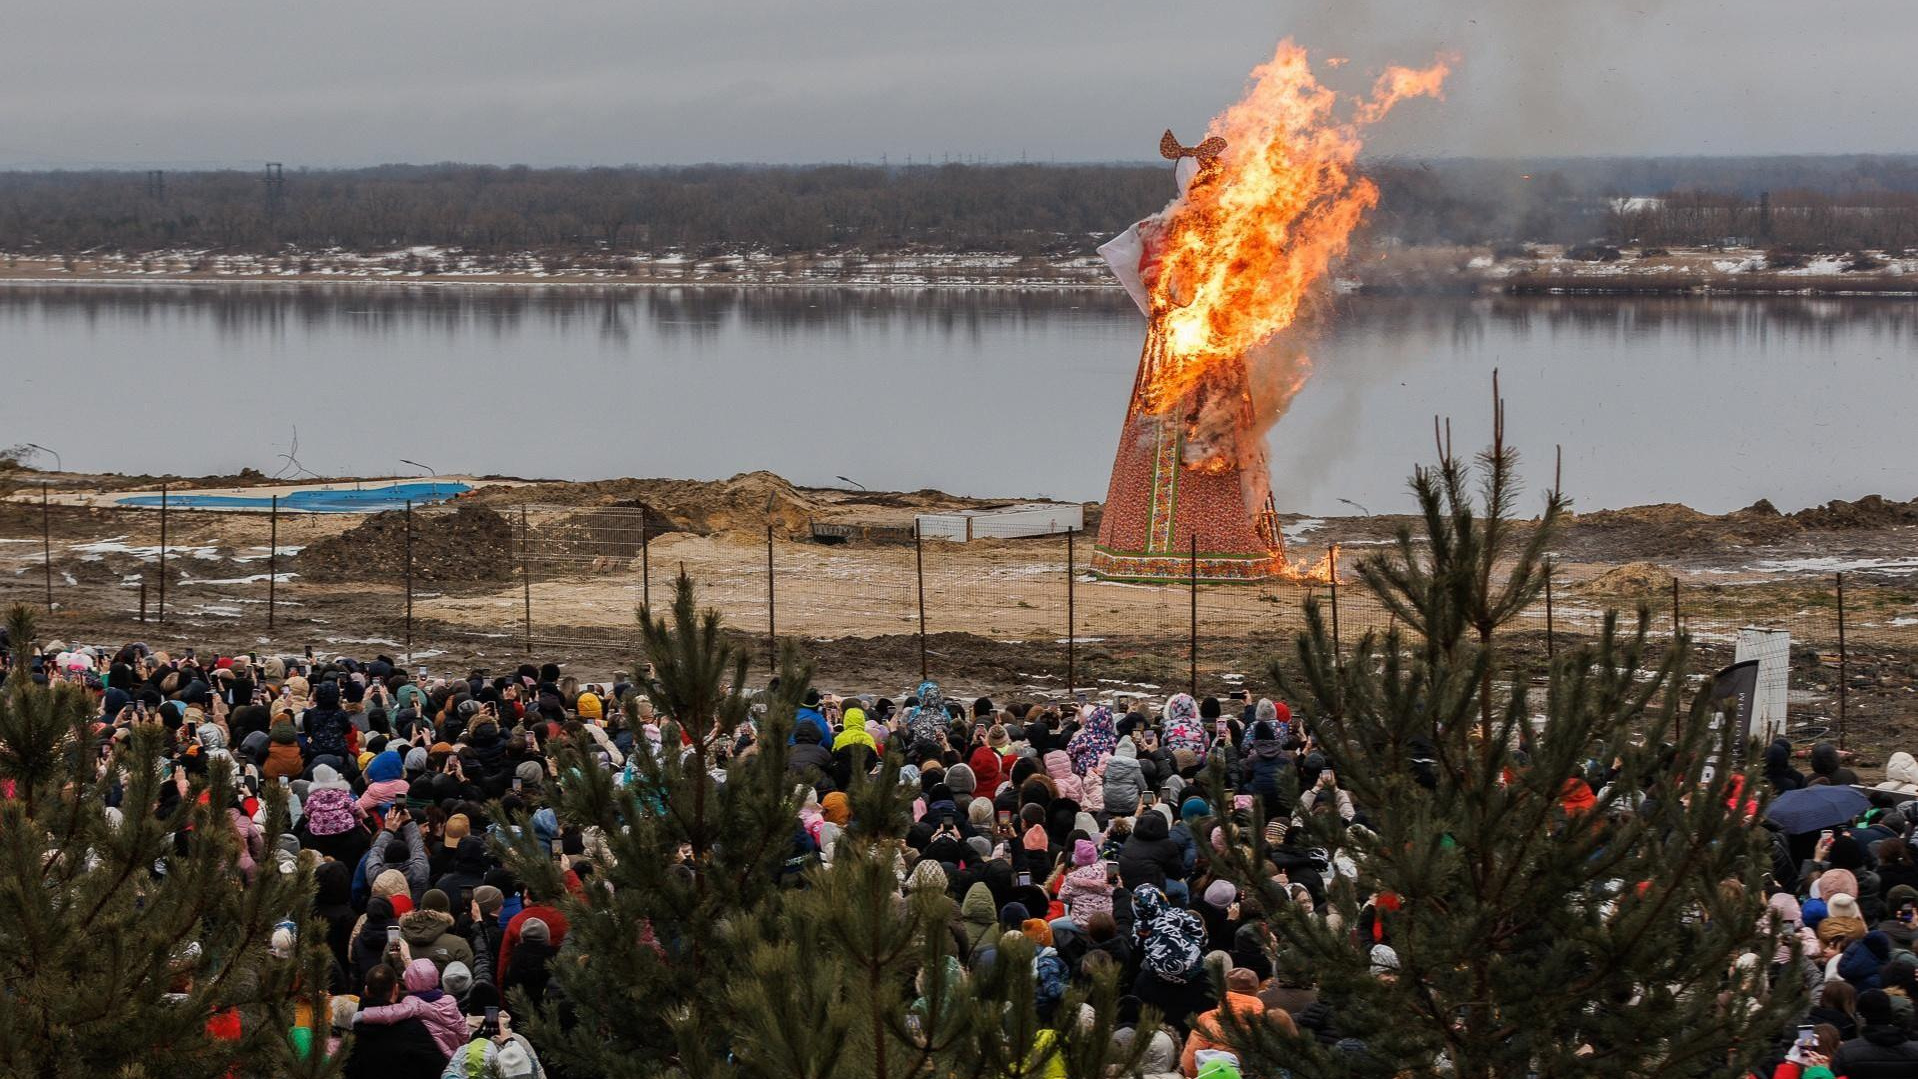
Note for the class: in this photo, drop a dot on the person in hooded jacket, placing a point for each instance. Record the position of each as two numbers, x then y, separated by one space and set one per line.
329 822
1863 960
385 781
425 1001
328 728
1264 765
1172 951
1778 770
1211 1031
1125 782
404 1049
988 770
1085 885
1150 856
809 758
978 919
285 758
430 933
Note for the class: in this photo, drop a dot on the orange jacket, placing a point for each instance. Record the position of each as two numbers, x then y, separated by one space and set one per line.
1207 1033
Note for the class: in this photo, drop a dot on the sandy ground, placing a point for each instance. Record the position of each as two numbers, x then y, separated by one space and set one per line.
995 611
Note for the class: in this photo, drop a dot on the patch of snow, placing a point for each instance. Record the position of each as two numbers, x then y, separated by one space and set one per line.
1822 266
94 552
256 578
1900 566
1297 530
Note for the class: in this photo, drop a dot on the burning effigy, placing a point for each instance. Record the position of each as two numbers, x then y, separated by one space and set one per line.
1267 203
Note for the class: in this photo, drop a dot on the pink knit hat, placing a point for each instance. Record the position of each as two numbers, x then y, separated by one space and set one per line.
1084 853
1837 882
1035 838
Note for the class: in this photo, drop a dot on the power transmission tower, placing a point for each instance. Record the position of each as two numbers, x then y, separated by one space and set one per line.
274 183
156 184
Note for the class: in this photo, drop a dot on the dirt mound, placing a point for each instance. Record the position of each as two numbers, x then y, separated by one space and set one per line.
1675 530
1630 579
745 502
472 543
1871 511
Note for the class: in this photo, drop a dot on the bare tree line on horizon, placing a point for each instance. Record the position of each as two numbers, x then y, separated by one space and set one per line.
1816 203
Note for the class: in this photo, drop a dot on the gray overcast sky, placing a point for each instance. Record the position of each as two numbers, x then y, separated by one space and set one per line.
338 82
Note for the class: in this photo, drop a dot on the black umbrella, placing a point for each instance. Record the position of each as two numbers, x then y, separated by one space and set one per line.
1812 808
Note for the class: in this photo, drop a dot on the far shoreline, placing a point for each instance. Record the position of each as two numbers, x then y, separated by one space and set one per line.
1664 285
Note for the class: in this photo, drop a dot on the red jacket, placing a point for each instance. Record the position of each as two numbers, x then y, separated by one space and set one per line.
555 925
988 770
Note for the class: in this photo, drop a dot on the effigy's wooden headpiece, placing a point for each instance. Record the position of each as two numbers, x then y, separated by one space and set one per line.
1206 153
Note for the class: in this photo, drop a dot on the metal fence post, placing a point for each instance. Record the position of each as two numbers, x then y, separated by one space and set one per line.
526 574
771 623
1676 624
272 561
409 582
143 599
1338 644
1844 667
46 542
1551 570
919 571
160 615
1193 629
645 565
1072 627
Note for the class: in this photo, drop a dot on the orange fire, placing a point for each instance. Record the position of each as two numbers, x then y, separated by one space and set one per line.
1324 571
1245 243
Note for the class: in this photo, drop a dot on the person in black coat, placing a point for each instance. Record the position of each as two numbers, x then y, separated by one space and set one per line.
402 1050
1778 770
1150 856
807 758
333 904
369 948
531 965
1882 1050
470 864
327 726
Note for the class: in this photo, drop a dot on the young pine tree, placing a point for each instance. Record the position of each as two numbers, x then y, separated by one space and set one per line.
690 860
130 946
852 977
1536 933
713 943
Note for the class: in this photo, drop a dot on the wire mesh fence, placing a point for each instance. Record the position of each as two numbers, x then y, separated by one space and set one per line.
539 579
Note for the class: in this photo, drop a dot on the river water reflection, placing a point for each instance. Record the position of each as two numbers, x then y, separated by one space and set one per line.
1715 403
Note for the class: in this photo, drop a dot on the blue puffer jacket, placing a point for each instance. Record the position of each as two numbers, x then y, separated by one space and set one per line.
1864 959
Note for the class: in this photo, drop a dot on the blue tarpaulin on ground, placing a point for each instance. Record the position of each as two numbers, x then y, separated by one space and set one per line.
391 496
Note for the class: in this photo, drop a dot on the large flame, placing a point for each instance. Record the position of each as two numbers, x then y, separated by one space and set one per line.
1243 246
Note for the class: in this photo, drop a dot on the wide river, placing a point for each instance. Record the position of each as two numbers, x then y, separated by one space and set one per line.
1715 403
